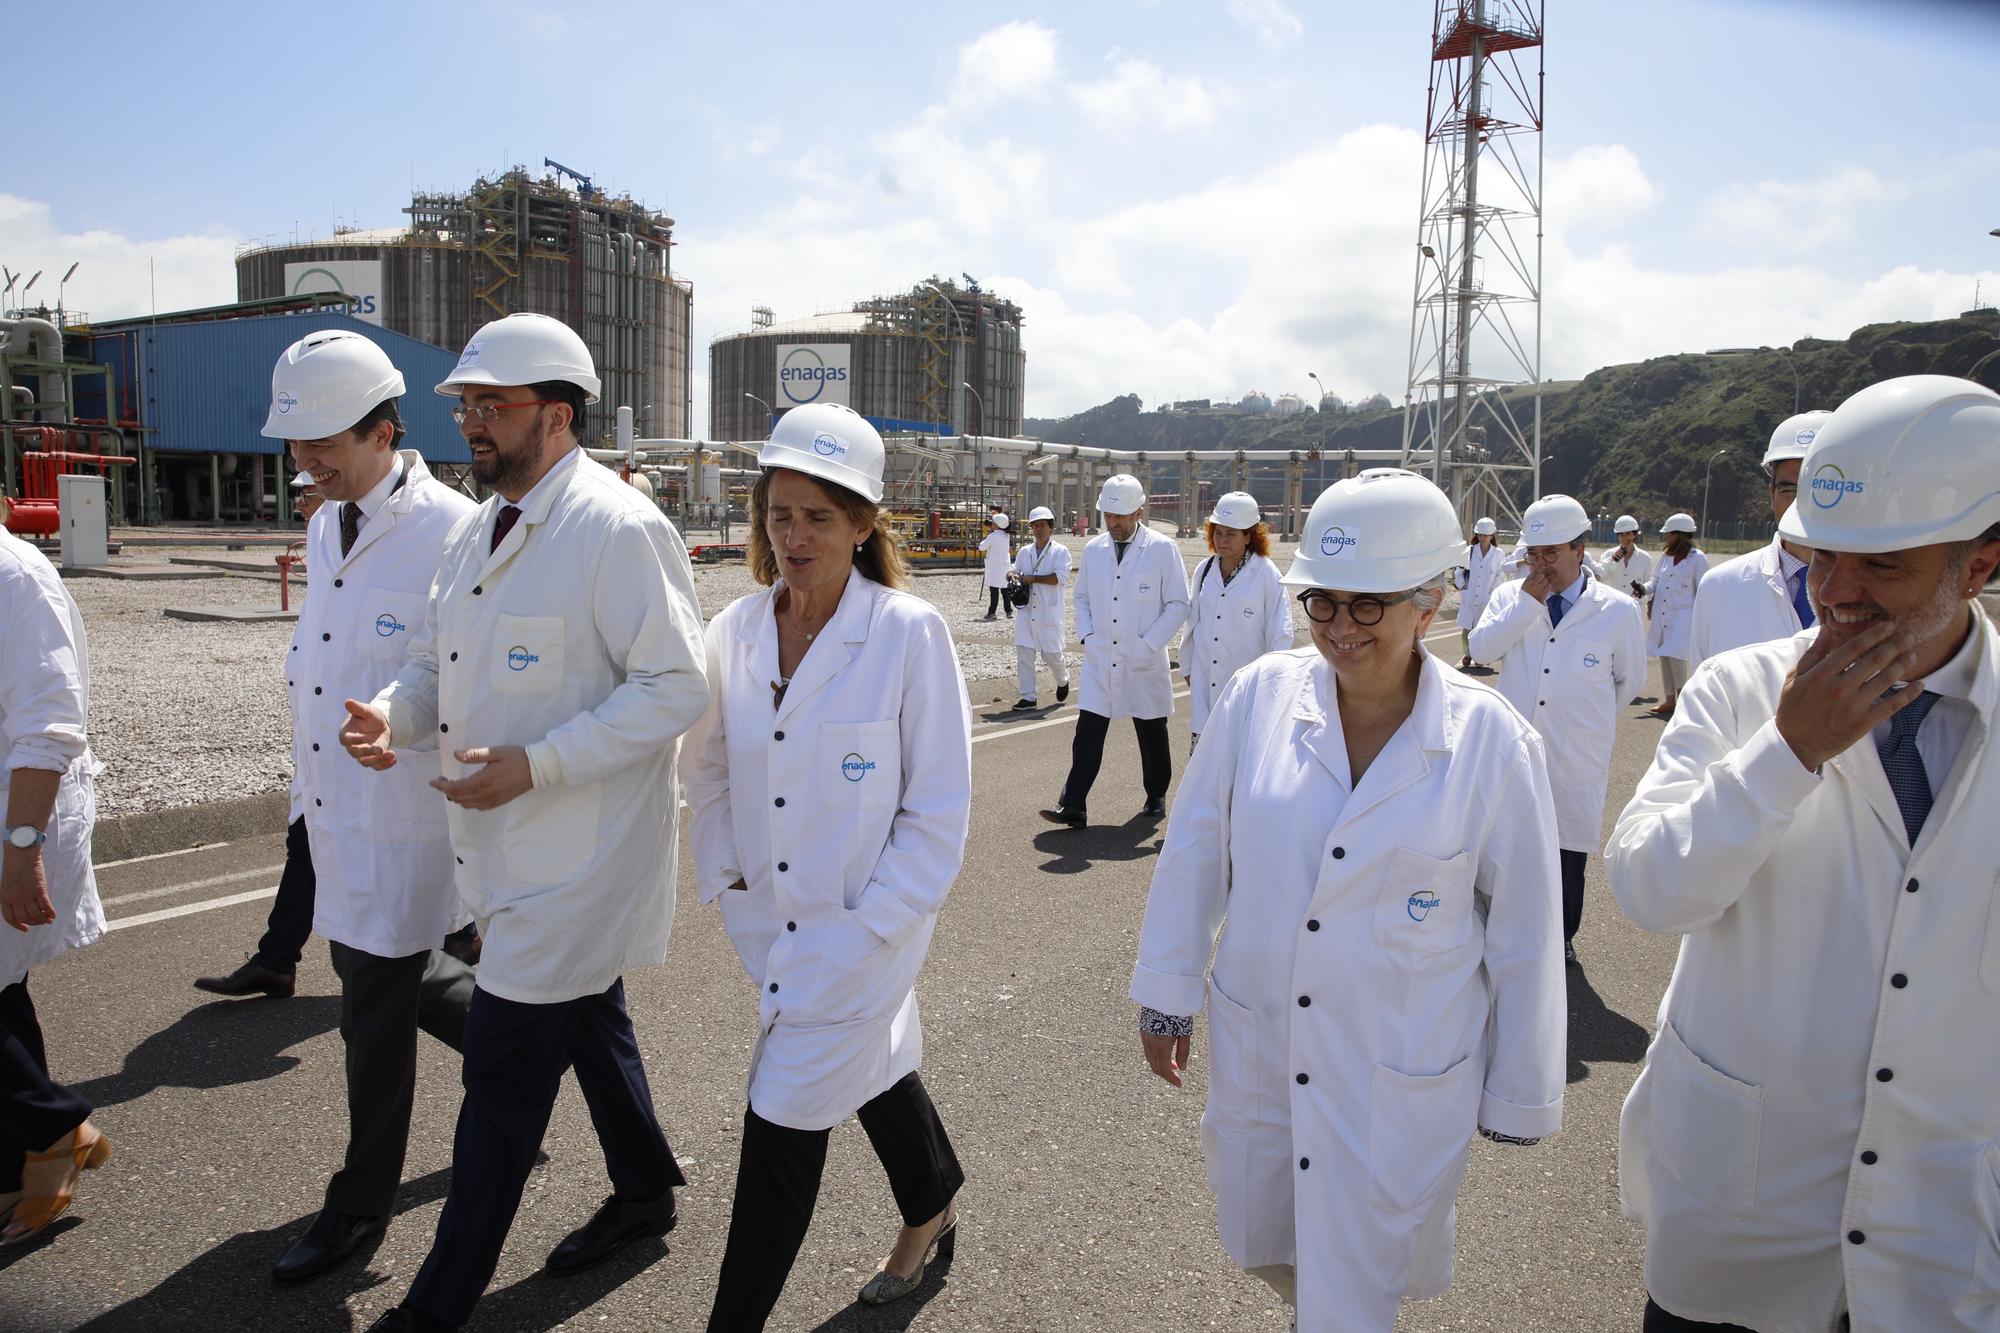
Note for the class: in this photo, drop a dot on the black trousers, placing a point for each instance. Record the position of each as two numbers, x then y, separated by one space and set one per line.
383 1002
1086 756
777 1184
1572 873
995 600
35 1110
1666 1321
515 1055
291 919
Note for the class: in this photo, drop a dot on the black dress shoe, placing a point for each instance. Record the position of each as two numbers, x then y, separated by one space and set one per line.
1062 693
609 1229
253 978
400 1320
1062 814
1154 809
1024 705
464 945
328 1242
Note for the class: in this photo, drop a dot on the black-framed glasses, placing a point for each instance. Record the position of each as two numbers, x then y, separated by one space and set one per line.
492 411
1322 606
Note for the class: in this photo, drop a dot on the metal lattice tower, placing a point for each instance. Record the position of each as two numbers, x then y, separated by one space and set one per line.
1479 260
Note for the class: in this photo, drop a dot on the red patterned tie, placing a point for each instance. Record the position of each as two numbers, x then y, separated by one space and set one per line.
504 524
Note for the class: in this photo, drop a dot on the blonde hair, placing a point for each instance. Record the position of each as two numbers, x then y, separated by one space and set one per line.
880 558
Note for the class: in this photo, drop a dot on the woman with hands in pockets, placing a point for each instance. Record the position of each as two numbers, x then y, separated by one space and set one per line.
830 785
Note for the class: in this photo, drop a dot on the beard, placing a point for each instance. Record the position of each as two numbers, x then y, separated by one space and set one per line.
509 466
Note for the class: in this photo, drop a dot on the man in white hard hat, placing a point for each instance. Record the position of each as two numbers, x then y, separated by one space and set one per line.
1762 594
1626 566
378 871
1043 567
1131 598
560 656
1677 576
1812 1142
1476 576
1571 650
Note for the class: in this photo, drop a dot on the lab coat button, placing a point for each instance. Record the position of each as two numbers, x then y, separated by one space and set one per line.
1911 887
1313 924
1898 981
777 735
477 589
1305 1163
338 584
774 988
318 690
454 657
459 859
317 801
1339 853
315 747
1305 1001
791 925
1857 1237
1869 1158
444 726
1884 1075
1305 1078
779 802
784 865
326 638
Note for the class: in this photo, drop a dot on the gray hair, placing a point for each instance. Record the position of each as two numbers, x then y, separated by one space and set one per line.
1959 555
1429 595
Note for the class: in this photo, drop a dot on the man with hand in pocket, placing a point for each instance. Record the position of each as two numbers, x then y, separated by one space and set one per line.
1812 1144
558 661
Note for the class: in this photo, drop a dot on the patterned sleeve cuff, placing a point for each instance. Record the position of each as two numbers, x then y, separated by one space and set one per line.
1156 1024
1507 1138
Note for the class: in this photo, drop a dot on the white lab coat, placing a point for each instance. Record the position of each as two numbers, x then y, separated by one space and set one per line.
44 707
1743 600
998 558
1126 615
1477 575
1620 575
1229 626
1761 1138
844 812
1570 683
1418 914
381 856
1039 625
1671 632
580 639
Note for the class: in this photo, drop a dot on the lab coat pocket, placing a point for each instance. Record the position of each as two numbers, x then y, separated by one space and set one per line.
861 764
1989 958
1233 1059
1419 1128
527 654
1590 660
1703 1125
551 833
389 620
1424 904
1986 1214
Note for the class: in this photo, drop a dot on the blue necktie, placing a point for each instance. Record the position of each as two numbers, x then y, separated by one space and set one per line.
1556 608
1905 766
1800 602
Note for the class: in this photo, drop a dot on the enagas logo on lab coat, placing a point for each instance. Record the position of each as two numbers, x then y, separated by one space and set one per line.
1590 659
519 658
1422 904
388 626
854 768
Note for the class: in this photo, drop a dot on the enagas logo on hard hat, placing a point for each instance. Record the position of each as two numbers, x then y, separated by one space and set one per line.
1335 542
1830 486
828 446
1808 435
469 355
286 402
805 375
1538 525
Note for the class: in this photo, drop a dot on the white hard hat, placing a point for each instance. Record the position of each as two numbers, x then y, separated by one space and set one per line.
1484 528
999 521
1792 438
1625 523
327 381
1041 514
1238 509
1553 520
1912 461
1121 494
831 442
303 480
523 349
1386 530
1679 523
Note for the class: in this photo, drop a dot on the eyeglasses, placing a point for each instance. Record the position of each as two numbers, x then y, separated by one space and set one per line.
492 411
1321 607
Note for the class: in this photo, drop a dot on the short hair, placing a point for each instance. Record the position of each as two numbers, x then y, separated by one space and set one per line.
1429 595
880 557
1959 555
1259 538
571 395
374 416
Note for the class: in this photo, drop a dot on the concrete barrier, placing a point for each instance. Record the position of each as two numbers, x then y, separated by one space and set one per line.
156 831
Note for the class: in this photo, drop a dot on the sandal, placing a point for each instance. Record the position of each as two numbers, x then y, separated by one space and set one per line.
885 1286
84 1149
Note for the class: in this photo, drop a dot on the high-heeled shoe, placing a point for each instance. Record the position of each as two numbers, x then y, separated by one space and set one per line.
885 1286
85 1150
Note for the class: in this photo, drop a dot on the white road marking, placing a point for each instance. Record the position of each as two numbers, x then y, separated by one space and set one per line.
208 905
161 856
172 889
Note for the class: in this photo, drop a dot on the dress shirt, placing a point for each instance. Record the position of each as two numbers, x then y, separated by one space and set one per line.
1942 734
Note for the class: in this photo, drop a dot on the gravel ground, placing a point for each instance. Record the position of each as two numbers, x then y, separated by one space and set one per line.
184 713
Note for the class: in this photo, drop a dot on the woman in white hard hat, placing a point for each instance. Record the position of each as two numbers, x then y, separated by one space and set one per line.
999 559
1371 833
1238 610
830 787
1477 575
1670 637
1626 567
1043 568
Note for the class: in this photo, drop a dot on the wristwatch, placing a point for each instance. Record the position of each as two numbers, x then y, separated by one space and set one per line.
25 836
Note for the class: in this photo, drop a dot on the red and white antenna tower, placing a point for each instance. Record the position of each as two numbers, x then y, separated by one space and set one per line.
1473 406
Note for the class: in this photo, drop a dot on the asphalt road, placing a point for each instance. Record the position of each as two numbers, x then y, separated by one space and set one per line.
1085 1206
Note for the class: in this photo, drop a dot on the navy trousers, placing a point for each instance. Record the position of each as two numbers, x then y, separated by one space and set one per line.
35 1110
515 1055
1086 756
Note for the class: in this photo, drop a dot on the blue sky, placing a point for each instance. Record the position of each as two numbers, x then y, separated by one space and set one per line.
1189 197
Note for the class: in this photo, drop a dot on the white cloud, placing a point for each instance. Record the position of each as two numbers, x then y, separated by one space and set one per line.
113 278
1014 60
1793 215
1138 94
1600 186
1274 24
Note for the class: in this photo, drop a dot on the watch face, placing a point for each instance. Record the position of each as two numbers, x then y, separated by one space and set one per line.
23 836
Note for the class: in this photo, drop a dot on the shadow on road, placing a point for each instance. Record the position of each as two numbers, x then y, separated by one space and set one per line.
1598 1033
218 1045
1072 851
1008 713
858 1318
543 1302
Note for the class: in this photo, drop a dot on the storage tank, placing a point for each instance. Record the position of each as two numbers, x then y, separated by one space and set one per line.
1256 401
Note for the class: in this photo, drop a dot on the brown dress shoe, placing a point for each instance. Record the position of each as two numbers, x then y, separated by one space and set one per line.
253 978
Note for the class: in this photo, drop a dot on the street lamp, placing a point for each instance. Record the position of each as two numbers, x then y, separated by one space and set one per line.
1705 474
61 287
766 406
1437 417
1791 363
978 463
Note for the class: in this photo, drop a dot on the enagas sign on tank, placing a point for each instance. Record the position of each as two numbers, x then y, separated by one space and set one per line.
812 373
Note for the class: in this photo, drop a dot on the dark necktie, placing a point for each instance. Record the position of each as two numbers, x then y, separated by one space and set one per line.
350 525
1800 602
504 524
1120 548
1556 608
1905 766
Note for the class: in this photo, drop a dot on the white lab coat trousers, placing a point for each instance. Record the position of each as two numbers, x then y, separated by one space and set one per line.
1389 975
380 851
44 708
1620 575
1477 575
1671 632
1229 626
1569 682
998 558
844 811
1818 1123
1039 625
580 639
1744 600
1126 615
